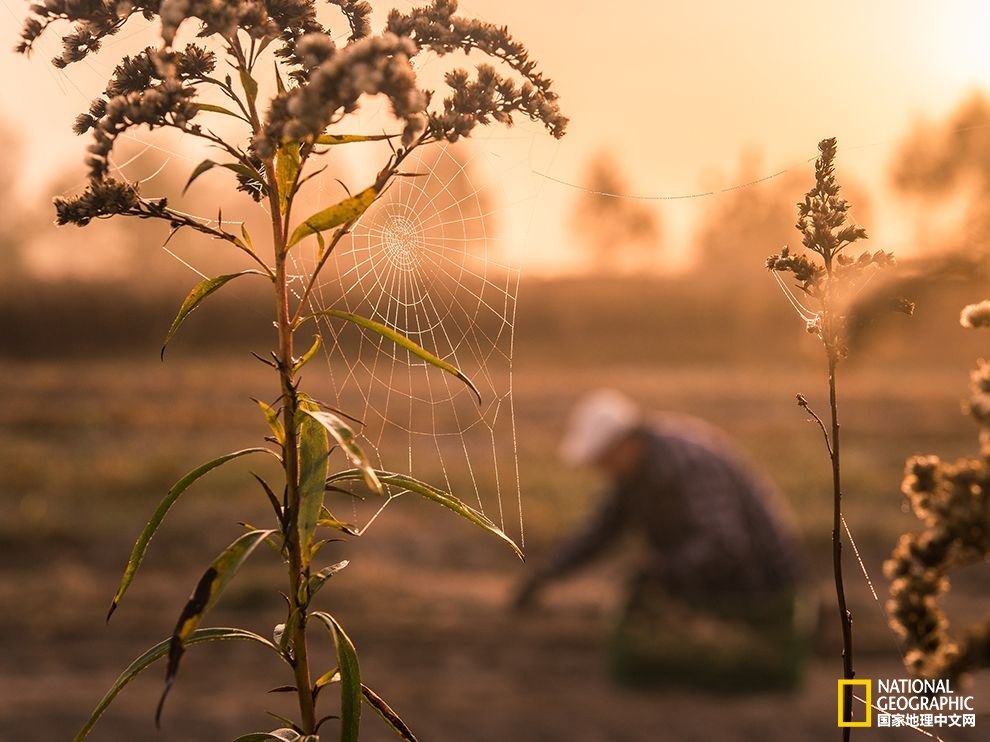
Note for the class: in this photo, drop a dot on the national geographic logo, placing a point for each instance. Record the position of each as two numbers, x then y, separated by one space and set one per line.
915 703
868 700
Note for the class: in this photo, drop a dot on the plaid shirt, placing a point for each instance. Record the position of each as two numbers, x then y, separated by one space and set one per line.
711 523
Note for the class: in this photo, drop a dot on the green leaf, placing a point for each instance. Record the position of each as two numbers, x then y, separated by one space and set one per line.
274 501
200 292
409 484
350 678
241 169
199 170
402 341
271 417
348 138
314 451
247 238
316 581
345 437
327 678
278 735
248 172
339 525
250 84
345 212
218 109
141 545
308 355
211 585
287 164
156 653
385 711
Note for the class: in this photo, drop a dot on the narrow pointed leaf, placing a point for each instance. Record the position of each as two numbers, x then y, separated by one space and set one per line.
314 452
247 238
211 585
239 168
141 545
385 711
270 494
271 417
316 581
197 295
218 109
345 437
327 678
402 341
409 484
344 212
287 164
199 170
308 355
338 525
156 653
349 138
248 172
250 84
350 678
278 735
289 724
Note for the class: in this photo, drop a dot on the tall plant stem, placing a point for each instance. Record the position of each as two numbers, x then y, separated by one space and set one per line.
298 573
845 617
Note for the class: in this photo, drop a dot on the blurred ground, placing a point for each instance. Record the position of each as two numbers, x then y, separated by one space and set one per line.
88 445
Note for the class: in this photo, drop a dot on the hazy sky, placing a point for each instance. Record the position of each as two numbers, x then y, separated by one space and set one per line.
676 91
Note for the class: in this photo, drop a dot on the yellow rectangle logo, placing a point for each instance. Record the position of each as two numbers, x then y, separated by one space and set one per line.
868 685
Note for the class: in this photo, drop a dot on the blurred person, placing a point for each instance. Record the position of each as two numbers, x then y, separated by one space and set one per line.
713 602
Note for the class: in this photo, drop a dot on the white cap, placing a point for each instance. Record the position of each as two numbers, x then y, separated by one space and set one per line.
598 421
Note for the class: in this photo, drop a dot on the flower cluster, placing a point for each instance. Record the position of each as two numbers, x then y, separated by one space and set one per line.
358 14
807 272
953 501
101 199
92 20
822 217
135 75
168 104
217 17
490 95
337 80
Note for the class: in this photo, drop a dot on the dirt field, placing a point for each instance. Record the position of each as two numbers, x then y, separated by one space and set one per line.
88 447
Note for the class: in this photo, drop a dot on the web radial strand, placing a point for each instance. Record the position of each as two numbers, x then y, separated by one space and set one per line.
424 261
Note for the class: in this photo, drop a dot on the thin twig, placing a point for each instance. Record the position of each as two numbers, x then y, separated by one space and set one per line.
803 403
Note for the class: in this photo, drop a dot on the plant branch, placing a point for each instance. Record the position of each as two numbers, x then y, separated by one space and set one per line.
845 616
803 403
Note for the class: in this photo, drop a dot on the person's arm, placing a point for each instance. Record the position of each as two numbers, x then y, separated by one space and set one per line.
586 544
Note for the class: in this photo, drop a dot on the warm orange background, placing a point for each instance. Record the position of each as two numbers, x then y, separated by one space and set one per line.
678 92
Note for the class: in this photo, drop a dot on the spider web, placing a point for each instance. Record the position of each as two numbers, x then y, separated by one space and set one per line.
426 261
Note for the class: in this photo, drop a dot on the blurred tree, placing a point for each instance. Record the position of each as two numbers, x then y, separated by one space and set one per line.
741 227
12 219
619 233
947 163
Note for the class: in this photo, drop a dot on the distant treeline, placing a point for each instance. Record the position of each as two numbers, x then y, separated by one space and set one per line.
88 319
586 319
